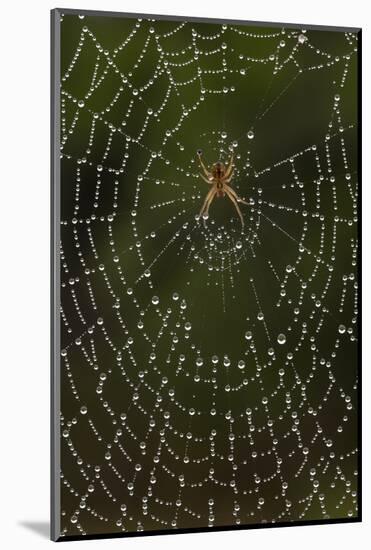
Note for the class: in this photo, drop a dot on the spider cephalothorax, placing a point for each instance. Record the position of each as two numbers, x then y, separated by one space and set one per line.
218 170
219 176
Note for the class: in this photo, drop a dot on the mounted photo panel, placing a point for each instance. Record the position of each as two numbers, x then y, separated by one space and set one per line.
205 274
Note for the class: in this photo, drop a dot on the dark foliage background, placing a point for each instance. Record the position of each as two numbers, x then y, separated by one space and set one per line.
282 443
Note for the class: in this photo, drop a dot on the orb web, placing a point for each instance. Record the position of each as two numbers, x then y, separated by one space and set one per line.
208 370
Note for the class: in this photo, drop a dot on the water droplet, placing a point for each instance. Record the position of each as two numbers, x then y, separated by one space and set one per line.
248 335
342 329
302 38
81 103
281 339
241 364
188 326
250 134
155 300
238 245
84 409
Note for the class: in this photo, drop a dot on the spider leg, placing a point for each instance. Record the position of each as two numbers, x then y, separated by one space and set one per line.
238 199
206 171
227 178
208 199
230 195
205 179
230 168
206 211
205 214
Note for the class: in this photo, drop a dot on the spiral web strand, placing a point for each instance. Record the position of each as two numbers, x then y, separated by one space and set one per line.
208 370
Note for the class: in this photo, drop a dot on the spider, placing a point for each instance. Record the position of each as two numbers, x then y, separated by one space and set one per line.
219 176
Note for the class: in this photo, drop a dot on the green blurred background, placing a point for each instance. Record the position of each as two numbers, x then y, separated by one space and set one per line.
276 439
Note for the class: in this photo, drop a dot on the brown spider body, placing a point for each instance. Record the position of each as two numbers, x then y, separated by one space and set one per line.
218 170
219 176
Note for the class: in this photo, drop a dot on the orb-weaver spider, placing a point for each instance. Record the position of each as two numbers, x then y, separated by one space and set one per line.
219 176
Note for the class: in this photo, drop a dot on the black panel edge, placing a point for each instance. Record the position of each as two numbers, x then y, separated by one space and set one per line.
54 275
128 15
